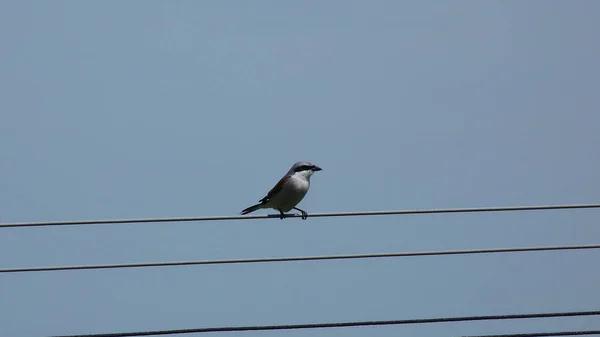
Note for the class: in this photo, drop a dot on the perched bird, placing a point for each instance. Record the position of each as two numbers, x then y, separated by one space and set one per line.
289 191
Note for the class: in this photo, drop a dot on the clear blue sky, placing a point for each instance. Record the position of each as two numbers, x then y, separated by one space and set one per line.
194 108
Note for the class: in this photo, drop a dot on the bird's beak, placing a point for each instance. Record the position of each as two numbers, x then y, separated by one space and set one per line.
316 168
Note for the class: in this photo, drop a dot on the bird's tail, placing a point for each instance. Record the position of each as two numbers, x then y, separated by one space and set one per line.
251 209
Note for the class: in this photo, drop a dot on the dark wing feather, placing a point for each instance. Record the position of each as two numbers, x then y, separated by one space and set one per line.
275 189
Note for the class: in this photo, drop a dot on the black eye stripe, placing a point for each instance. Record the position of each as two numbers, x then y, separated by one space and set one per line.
303 168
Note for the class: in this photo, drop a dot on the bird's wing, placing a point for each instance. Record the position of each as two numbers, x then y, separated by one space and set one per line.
276 189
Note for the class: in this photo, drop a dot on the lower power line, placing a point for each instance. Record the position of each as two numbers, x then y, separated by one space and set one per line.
302 258
340 324
546 334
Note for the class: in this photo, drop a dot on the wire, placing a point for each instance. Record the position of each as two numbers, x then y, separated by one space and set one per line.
314 215
302 258
340 324
546 334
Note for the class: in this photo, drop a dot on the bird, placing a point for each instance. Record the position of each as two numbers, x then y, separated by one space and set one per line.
289 191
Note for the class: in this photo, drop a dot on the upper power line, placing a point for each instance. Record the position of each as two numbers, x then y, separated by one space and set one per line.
340 324
312 215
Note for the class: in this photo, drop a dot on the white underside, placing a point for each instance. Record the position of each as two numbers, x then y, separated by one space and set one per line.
290 195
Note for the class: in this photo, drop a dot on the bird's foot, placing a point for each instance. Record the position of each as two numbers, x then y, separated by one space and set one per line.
304 214
281 215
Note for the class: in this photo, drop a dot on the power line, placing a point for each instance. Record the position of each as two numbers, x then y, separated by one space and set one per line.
546 334
314 215
339 324
301 258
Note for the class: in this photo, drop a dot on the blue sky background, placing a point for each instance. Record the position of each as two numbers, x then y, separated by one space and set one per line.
195 108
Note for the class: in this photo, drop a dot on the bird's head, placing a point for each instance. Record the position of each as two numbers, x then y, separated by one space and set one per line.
304 168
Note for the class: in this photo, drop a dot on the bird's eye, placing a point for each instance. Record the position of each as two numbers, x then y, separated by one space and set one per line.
302 168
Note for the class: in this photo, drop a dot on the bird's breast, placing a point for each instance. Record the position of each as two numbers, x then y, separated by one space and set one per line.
291 194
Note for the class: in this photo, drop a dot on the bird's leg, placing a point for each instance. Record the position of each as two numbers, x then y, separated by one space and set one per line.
281 215
304 214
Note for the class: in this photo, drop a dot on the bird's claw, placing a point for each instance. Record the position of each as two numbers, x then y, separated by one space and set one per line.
303 214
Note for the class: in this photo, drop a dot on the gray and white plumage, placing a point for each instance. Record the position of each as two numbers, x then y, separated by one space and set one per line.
289 191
